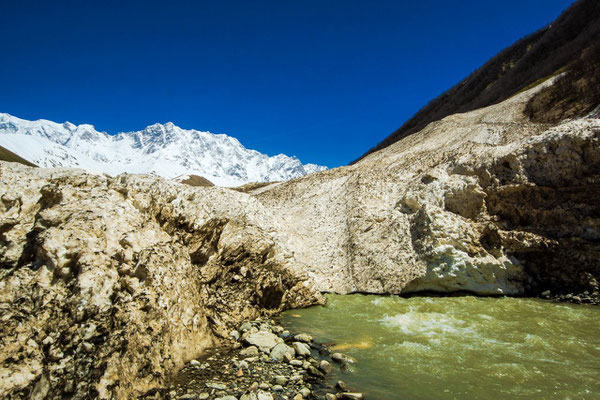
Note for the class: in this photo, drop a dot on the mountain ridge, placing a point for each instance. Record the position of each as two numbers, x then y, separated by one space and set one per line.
162 149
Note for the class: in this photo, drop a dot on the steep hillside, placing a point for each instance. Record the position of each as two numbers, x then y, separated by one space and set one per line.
532 59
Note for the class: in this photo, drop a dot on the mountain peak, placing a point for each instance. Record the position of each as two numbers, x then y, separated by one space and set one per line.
162 149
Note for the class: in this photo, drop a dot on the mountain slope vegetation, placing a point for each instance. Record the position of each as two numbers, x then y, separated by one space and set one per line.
566 45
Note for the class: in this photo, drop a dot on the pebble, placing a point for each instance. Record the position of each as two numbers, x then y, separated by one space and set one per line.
330 396
342 386
195 363
277 388
324 366
264 386
280 380
218 386
350 396
305 392
302 349
203 396
296 363
251 351
303 337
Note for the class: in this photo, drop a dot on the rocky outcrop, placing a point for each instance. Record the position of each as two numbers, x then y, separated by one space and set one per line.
108 285
486 202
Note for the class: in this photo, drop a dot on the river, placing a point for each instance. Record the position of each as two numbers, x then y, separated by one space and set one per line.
459 347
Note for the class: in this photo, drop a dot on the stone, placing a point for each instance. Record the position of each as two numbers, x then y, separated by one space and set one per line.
296 363
280 350
243 364
195 363
303 337
546 294
264 386
325 366
341 385
277 388
301 349
235 335
245 327
305 392
342 358
263 340
251 351
203 396
350 396
226 398
314 372
298 397
264 396
280 380
215 385
330 396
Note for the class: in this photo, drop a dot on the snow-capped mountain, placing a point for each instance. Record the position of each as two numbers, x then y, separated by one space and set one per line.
162 149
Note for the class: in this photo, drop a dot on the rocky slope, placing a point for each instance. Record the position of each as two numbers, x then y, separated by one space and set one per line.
108 285
487 202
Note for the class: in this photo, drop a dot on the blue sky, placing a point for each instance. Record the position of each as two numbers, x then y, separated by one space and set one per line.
324 80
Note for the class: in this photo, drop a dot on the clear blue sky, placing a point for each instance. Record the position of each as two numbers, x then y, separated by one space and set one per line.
324 80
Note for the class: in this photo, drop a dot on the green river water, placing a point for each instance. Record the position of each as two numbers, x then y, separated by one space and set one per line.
459 347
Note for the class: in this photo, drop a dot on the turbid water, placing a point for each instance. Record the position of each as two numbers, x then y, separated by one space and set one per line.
460 347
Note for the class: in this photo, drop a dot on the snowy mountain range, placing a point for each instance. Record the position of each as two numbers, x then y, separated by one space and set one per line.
161 149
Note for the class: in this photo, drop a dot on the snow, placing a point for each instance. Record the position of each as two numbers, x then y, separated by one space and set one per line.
161 149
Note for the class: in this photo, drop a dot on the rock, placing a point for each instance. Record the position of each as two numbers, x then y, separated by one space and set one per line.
546 294
203 396
264 396
576 299
235 335
301 349
264 386
298 397
303 337
112 273
350 396
325 367
277 388
280 380
305 392
245 327
341 385
279 352
296 363
195 363
215 385
330 396
226 398
251 351
263 340
314 372
187 396
342 358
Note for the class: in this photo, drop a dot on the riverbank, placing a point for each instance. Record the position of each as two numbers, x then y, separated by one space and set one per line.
264 362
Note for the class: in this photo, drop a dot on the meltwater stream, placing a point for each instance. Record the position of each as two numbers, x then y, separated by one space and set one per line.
460 347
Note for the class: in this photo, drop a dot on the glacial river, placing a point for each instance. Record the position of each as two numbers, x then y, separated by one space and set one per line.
459 347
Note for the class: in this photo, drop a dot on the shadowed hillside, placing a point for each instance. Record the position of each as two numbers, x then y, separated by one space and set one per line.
556 48
7 155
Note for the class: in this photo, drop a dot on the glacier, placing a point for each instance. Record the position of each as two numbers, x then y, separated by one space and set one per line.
160 149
